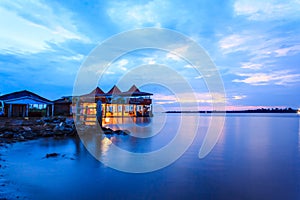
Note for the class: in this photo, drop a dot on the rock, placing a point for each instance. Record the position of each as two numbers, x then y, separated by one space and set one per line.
122 132
107 131
47 134
8 135
46 119
14 123
39 122
26 128
59 127
49 155
27 123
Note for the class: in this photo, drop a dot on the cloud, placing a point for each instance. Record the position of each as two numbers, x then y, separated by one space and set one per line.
268 9
252 66
122 63
78 57
196 97
278 78
135 15
232 41
149 60
239 97
260 43
188 66
292 50
32 26
199 77
173 57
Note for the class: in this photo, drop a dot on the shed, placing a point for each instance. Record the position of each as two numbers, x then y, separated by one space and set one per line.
63 106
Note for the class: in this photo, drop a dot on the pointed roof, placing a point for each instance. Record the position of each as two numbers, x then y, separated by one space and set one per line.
133 89
114 90
94 93
97 92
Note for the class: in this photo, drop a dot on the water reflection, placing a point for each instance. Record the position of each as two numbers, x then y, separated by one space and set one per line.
256 157
141 127
299 131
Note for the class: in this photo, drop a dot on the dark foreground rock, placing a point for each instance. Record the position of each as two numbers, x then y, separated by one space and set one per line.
49 155
13 130
108 131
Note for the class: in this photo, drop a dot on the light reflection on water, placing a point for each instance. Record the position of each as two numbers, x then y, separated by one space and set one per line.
256 157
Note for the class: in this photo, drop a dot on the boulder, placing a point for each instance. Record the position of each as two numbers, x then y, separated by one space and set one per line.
26 128
49 155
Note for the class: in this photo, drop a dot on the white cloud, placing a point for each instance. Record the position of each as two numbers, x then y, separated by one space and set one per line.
109 72
122 63
287 51
149 60
135 15
260 45
268 9
278 78
188 66
78 57
253 66
196 97
239 97
172 56
30 27
232 41
199 77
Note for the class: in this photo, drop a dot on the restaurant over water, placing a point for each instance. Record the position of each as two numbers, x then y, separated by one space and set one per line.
114 104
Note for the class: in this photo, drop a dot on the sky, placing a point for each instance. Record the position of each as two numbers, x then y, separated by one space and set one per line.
255 46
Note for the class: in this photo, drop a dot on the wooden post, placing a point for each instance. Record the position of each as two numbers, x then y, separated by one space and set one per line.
10 110
123 110
99 112
48 110
85 113
27 110
52 110
77 110
117 109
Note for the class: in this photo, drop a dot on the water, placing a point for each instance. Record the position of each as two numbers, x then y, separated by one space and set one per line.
256 157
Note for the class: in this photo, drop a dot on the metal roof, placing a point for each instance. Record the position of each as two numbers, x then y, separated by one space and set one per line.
24 97
115 91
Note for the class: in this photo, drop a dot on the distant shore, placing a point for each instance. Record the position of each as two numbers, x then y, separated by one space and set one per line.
261 110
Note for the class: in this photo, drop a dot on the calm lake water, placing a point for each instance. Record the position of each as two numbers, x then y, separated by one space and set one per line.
256 157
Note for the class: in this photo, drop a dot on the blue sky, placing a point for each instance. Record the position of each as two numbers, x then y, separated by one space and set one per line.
254 44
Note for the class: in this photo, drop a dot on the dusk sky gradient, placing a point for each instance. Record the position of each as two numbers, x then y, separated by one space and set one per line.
254 44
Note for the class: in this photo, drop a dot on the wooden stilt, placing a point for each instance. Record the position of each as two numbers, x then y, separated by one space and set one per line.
99 112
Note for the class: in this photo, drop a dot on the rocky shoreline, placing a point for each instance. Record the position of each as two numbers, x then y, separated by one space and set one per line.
14 130
22 129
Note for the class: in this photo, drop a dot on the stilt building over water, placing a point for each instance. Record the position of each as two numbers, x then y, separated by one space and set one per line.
114 103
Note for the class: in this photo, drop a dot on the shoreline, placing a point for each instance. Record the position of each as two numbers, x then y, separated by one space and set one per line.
23 129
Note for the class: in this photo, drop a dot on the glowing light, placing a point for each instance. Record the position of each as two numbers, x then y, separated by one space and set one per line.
105 145
107 120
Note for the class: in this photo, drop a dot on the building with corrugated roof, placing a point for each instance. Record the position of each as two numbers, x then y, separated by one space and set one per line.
26 104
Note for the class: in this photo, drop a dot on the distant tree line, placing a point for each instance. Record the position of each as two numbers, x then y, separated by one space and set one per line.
260 110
